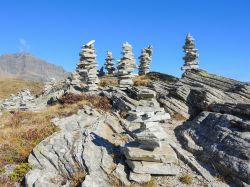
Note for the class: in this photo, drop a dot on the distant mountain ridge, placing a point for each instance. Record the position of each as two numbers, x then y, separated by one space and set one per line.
28 67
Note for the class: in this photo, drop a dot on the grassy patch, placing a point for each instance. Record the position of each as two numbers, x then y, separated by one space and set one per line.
142 80
77 100
12 86
151 183
21 132
2 170
104 82
19 172
186 179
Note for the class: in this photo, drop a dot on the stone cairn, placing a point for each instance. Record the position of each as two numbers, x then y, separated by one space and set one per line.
87 67
191 55
109 64
145 60
75 78
126 66
150 153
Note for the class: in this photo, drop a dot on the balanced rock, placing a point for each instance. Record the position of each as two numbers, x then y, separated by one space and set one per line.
109 64
126 66
87 67
191 55
145 60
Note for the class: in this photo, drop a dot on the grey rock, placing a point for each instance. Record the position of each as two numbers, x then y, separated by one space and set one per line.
224 141
120 173
155 168
139 178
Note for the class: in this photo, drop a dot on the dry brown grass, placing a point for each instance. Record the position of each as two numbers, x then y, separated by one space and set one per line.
142 80
178 117
186 179
99 102
21 131
151 183
104 82
12 86
77 178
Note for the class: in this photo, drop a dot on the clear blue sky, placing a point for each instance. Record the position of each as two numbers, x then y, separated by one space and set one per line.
54 30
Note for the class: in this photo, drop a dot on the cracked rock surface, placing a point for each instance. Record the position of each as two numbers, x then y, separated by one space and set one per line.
79 147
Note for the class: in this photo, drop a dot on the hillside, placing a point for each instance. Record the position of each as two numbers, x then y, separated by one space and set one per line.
28 67
12 86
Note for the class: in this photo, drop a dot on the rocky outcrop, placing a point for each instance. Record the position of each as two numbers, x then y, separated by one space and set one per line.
223 141
218 112
197 90
79 148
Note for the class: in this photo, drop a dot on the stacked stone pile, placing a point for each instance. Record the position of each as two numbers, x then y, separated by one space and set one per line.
191 55
75 78
126 66
23 101
145 60
150 153
109 64
87 67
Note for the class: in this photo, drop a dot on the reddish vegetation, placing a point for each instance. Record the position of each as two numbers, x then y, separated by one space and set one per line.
99 102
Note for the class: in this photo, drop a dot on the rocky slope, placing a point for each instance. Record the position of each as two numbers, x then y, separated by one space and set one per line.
207 137
26 66
217 130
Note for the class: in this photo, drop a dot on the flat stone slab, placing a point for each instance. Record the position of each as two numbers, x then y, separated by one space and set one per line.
164 154
155 168
139 178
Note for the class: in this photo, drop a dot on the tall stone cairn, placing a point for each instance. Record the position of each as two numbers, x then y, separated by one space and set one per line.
191 55
109 64
87 67
126 66
145 60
